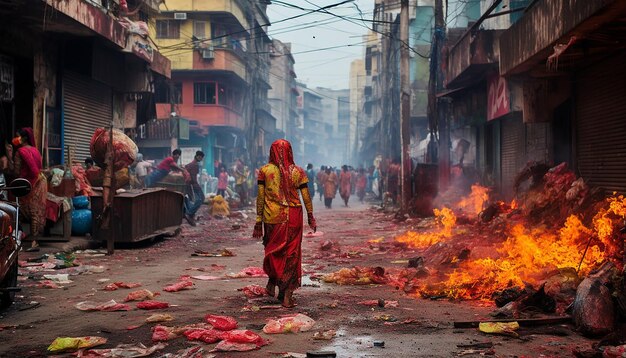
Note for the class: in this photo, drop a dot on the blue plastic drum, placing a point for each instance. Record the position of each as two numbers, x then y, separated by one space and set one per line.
81 222
80 202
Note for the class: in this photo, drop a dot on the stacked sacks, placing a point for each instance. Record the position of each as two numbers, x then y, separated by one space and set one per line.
125 150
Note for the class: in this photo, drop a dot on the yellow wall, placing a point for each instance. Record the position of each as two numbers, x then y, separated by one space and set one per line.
181 57
207 5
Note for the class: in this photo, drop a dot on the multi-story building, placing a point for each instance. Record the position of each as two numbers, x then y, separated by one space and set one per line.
284 93
358 80
314 131
90 65
220 77
336 116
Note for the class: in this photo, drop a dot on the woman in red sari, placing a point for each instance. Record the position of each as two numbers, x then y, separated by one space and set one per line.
26 163
279 213
345 184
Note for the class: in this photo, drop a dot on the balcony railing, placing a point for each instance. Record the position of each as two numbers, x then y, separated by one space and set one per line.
230 43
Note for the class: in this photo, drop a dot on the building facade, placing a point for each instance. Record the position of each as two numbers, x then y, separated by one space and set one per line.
91 65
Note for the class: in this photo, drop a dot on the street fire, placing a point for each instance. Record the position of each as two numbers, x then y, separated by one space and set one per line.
445 217
473 204
524 256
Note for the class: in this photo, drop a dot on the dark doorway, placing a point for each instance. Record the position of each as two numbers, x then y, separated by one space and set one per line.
562 134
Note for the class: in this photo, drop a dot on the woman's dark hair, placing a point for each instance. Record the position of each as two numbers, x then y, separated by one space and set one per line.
176 152
26 135
200 153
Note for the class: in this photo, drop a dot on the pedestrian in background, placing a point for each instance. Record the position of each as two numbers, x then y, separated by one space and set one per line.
141 170
330 187
195 195
164 168
240 182
279 220
310 174
321 178
222 182
345 184
361 184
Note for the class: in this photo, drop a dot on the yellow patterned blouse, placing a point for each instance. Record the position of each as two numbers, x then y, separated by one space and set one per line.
272 206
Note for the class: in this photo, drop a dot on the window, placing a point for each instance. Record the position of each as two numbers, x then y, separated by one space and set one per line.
167 29
204 93
162 92
199 29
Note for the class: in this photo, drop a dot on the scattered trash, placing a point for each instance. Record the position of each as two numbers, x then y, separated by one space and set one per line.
179 286
162 333
325 335
357 276
249 272
223 253
321 354
109 306
152 305
70 344
205 335
206 278
503 328
252 291
593 308
61 278
243 336
133 327
379 303
124 351
140 295
226 346
160 317
222 323
191 352
386 318
290 323
326 245
117 285
380 344
314 234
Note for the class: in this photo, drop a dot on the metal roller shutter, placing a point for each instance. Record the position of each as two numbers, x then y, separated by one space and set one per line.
601 125
87 105
512 150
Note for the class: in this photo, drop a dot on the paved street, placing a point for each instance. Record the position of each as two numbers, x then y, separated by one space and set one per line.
416 327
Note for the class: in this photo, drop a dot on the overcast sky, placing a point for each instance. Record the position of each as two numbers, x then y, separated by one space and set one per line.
313 32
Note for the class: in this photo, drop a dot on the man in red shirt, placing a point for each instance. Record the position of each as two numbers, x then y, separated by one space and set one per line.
195 195
168 164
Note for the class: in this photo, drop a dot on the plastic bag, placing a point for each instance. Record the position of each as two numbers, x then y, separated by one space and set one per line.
223 323
64 344
178 286
243 336
109 306
140 295
124 350
152 305
219 206
504 328
291 323
249 272
162 333
161 317
252 291
117 285
227 346
204 335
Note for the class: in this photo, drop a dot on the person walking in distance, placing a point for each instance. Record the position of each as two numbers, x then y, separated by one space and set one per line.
345 184
222 182
330 187
195 195
279 220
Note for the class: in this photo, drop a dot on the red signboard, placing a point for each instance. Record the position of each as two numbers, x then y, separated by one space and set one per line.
498 97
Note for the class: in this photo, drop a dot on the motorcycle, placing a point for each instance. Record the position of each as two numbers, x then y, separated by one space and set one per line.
10 239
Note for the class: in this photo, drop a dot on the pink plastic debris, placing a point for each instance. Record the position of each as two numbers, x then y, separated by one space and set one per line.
109 306
117 285
249 272
178 286
223 323
152 305
291 323
162 333
204 335
243 336
226 346
252 291
140 295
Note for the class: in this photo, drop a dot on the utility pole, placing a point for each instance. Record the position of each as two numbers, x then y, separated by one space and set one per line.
405 105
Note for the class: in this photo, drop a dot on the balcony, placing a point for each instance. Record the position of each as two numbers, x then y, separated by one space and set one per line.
230 8
220 59
471 57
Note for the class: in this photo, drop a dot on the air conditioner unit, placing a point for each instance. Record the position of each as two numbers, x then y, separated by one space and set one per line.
208 53
180 16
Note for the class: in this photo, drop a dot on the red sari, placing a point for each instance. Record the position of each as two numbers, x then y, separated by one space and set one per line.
28 165
280 210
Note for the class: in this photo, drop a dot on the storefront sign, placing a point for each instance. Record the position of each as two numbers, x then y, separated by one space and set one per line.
140 47
498 97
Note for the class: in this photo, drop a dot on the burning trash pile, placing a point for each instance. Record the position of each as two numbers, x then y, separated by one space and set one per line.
527 255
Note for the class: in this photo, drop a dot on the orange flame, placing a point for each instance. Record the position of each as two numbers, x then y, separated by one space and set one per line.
474 203
527 255
445 217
